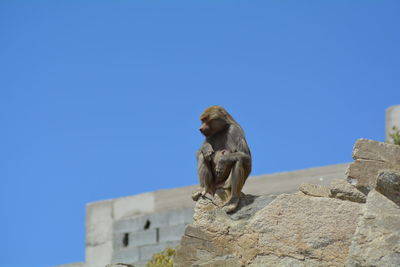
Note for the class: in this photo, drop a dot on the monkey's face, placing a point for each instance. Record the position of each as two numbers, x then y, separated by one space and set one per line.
210 127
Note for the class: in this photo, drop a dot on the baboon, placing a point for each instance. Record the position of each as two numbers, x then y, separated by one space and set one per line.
224 159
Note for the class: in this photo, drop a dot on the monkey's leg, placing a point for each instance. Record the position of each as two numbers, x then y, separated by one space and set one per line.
206 180
238 176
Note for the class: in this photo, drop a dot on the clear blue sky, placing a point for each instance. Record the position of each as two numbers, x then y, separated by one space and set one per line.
100 99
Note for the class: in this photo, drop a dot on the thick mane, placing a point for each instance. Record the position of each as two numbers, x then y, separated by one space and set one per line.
215 112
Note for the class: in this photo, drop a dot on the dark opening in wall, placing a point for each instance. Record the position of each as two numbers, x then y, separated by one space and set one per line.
125 240
147 225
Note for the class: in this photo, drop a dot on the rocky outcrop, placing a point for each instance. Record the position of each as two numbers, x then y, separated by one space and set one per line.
334 225
377 238
293 229
370 157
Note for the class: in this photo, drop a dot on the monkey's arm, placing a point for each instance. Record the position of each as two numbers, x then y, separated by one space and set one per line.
239 149
207 150
240 152
235 156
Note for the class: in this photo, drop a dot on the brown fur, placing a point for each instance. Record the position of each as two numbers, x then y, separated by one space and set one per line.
224 159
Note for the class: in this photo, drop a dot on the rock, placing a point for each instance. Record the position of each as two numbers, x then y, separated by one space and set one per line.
198 246
339 188
342 189
315 190
293 230
273 260
313 230
377 238
120 265
371 157
249 205
378 151
388 184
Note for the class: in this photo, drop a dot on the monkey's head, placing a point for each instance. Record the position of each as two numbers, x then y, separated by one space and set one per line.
214 119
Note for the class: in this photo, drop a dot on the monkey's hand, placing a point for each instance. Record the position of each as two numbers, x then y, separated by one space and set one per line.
207 151
207 154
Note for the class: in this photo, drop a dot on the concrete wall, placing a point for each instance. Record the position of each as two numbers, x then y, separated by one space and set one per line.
100 217
131 229
137 238
392 119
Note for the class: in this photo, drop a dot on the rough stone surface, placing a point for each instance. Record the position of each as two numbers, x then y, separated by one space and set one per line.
341 189
315 190
377 238
388 183
292 230
370 158
120 265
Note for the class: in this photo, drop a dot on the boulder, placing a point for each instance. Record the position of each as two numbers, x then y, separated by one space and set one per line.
342 189
339 188
292 230
388 184
376 241
370 158
315 190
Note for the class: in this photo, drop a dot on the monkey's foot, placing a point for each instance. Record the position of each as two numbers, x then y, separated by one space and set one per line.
196 195
231 205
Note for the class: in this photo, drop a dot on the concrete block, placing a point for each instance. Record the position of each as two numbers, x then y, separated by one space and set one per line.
153 221
142 222
133 224
174 199
146 237
146 252
98 222
100 255
184 216
120 240
171 233
133 205
126 255
159 219
392 119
